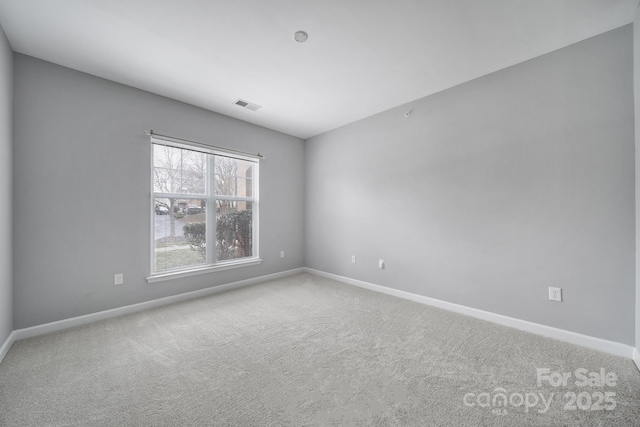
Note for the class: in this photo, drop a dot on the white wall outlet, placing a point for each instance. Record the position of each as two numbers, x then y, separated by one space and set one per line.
555 294
118 279
381 263
353 259
281 254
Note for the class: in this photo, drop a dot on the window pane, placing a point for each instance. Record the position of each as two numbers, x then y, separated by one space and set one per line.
186 184
233 177
179 171
180 239
234 224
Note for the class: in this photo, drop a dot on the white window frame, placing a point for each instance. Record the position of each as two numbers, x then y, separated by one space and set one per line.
211 264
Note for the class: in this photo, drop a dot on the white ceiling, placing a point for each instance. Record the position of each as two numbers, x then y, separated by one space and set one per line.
362 56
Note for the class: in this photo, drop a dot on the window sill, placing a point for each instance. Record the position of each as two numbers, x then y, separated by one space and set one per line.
161 277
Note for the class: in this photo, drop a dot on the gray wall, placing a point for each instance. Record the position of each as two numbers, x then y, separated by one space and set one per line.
492 191
6 101
636 78
82 185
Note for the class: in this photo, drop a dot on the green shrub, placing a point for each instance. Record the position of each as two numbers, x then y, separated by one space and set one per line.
233 235
196 235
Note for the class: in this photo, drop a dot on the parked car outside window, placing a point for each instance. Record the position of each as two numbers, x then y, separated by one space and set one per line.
162 210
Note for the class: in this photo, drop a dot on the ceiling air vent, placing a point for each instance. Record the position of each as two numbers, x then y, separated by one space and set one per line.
246 104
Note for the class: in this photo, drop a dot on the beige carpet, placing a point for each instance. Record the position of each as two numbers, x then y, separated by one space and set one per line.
305 350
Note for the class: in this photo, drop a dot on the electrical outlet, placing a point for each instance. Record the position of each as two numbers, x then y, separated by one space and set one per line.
118 279
353 259
381 264
281 254
555 294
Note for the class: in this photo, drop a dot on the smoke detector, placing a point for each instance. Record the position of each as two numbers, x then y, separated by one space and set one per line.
246 104
300 36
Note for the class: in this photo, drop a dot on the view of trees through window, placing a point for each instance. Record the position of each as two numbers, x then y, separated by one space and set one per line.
198 198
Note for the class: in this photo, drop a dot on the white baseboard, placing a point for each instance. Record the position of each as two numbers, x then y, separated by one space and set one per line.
106 314
599 344
7 345
594 343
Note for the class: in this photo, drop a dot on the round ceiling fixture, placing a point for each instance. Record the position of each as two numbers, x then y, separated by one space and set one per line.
301 36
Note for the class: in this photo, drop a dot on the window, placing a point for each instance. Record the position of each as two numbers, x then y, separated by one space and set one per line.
202 196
